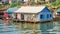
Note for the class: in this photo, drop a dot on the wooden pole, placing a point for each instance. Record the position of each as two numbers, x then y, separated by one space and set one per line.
34 28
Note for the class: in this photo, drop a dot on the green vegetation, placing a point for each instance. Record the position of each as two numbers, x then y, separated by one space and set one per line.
56 4
0 4
34 3
13 5
18 4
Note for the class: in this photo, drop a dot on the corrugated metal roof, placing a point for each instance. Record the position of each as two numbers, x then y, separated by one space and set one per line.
30 9
11 9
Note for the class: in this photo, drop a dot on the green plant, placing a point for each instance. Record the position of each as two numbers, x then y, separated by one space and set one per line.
55 3
38 3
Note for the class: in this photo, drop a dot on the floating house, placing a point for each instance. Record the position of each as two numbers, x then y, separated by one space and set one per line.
58 11
10 11
34 13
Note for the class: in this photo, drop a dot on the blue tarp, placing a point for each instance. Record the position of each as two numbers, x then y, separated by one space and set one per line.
11 10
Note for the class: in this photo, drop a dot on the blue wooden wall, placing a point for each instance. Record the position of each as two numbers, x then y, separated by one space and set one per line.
46 15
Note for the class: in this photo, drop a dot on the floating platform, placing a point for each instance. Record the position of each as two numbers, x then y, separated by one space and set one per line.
23 21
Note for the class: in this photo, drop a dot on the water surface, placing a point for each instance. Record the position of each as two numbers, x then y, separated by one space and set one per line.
31 28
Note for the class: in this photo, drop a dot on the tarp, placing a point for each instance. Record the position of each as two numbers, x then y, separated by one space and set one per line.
11 10
6 15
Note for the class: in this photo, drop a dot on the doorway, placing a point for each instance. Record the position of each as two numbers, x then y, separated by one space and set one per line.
22 16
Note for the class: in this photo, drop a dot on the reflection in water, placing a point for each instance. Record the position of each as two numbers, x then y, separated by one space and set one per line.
6 23
46 26
25 28
8 28
39 27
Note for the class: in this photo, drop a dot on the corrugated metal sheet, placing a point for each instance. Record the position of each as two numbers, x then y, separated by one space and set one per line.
30 9
11 10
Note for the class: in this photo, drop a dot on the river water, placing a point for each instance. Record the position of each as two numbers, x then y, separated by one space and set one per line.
29 28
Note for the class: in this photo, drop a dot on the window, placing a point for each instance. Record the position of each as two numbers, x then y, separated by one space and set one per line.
47 15
41 16
22 16
50 15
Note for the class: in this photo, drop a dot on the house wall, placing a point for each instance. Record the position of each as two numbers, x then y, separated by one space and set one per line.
45 16
13 15
28 17
46 12
19 16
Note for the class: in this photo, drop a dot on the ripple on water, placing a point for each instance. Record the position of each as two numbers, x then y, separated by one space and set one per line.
45 28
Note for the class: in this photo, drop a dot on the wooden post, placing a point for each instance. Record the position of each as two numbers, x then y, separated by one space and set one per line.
34 27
